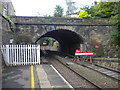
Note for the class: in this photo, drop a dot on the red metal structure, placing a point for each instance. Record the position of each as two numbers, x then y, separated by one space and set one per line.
78 53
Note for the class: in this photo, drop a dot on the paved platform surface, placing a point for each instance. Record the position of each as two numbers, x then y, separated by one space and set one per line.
44 77
50 78
16 77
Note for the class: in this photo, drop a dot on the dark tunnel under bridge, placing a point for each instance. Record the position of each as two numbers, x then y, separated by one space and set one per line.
68 40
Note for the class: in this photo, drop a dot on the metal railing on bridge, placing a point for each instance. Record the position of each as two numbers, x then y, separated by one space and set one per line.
21 54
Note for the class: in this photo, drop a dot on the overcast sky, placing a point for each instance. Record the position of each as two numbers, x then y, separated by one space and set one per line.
43 7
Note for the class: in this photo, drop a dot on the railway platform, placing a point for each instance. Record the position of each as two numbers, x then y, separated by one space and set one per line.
33 77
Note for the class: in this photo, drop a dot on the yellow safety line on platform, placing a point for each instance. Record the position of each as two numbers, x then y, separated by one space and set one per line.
32 79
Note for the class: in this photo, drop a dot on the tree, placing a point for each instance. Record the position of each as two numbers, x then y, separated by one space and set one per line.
115 37
88 9
84 14
70 7
102 9
115 34
105 9
58 12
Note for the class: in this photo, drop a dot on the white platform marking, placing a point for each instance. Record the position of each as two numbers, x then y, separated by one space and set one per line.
62 78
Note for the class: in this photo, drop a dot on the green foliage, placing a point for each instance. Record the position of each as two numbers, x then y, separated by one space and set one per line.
114 19
105 9
87 9
102 9
46 15
58 11
115 37
84 14
12 25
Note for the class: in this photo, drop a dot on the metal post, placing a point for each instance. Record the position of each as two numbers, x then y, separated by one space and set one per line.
7 54
38 53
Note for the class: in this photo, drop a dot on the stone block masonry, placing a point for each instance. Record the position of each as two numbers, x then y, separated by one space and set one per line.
0 53
92 31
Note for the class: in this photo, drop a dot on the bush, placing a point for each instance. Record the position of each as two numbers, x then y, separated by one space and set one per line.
115 37
84 14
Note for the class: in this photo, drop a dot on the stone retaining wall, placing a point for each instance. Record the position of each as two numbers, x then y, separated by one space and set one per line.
108 62
59 20
0 53
7 34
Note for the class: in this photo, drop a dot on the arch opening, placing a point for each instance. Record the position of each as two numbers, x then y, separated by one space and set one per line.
68 40
48 43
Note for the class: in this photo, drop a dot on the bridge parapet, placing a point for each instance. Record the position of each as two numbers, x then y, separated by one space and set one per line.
29 29
60 21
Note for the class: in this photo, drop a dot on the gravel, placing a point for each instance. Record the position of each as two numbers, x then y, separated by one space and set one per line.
75 80
99 79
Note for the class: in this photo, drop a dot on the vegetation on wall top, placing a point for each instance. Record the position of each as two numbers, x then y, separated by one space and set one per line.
12 25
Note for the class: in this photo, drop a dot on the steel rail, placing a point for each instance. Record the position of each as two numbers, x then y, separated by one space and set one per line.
100 88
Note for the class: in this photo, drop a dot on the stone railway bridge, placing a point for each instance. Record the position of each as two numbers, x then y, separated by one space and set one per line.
71 33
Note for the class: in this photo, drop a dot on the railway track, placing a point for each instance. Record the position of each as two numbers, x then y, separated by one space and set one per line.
57 59
115 74
103 70
75 79
96 86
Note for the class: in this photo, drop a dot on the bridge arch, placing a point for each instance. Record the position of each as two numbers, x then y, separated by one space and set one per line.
69 40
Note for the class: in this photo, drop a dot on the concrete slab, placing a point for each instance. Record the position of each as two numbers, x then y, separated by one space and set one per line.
16 77
42 76
49 78
19 77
